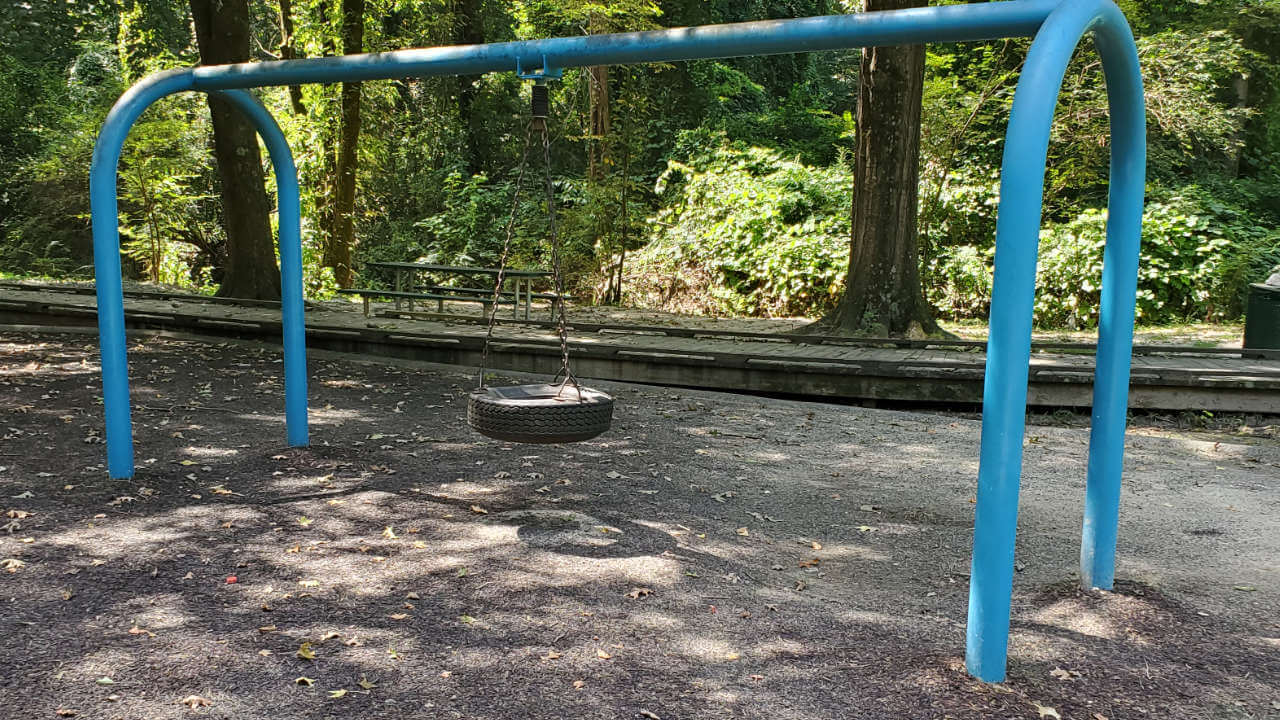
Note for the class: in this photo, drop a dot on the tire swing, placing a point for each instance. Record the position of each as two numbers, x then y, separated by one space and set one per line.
560 411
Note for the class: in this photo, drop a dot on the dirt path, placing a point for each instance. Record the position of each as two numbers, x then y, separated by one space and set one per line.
714 556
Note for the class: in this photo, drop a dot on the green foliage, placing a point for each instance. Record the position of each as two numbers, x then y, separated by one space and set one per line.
745 231
723 183
1199 253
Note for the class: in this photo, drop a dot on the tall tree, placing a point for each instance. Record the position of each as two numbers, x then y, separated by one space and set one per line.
882 291
222 33
342 239
470 31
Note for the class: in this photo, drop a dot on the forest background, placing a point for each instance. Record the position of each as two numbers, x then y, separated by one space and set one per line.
717 187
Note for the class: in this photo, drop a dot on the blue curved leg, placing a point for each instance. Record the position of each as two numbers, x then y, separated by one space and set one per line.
1012 302
106 258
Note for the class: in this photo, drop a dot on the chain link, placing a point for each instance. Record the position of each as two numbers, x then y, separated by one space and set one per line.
506 247
561 326
558 303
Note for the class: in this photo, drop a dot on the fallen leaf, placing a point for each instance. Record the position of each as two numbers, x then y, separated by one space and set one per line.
446 673
337 693
551 655
195 701
104 680
398 616
305 521
1064 674
613 475
479 510
1047 712
866 528
815 545
743 531
232 580
637 593
330 635
309 583
12 564
1246 588
267 628
579 684
366 683
467 619
67 712
304 681
305 652
810 563
603 655
411 596
389 533
647 714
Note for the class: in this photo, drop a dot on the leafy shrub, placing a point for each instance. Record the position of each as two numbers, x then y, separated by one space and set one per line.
1199 253
745 231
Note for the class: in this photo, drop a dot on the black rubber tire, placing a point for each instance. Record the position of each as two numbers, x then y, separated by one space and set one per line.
539 414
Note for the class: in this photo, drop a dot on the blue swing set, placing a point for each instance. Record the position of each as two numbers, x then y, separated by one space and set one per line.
1057 26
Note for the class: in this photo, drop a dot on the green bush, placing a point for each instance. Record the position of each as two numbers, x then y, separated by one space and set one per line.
745 231
1199 253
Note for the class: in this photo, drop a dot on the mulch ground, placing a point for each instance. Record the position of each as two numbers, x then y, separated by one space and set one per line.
713 556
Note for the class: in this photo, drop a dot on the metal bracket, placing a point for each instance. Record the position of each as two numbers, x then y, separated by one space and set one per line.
540 76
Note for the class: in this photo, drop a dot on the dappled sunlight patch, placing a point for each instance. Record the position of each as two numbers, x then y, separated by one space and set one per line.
778 648
654 620
209 452
703 647
845 551
120 537
1072 615
769 456
328 415
1266 643
553 570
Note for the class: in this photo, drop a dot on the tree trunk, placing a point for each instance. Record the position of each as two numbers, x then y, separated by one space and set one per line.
338 251
470 32
289 51
600 121
222 33
882 293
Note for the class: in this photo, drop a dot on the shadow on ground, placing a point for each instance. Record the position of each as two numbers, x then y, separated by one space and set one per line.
713 556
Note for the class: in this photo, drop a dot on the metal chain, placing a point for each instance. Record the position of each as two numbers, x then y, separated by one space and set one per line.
561 327
506 246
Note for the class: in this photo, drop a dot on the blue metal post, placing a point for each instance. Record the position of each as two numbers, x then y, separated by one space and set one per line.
106 260
1119 290
1012 303
292 307
106 252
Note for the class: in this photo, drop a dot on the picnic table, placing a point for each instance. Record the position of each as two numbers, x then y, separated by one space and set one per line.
410 285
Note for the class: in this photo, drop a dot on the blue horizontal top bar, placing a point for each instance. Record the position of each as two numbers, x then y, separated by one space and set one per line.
950 23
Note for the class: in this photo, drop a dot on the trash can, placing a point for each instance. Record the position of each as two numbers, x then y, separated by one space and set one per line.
1262 317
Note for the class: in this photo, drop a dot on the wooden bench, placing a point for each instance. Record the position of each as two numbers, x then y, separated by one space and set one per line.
484 297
